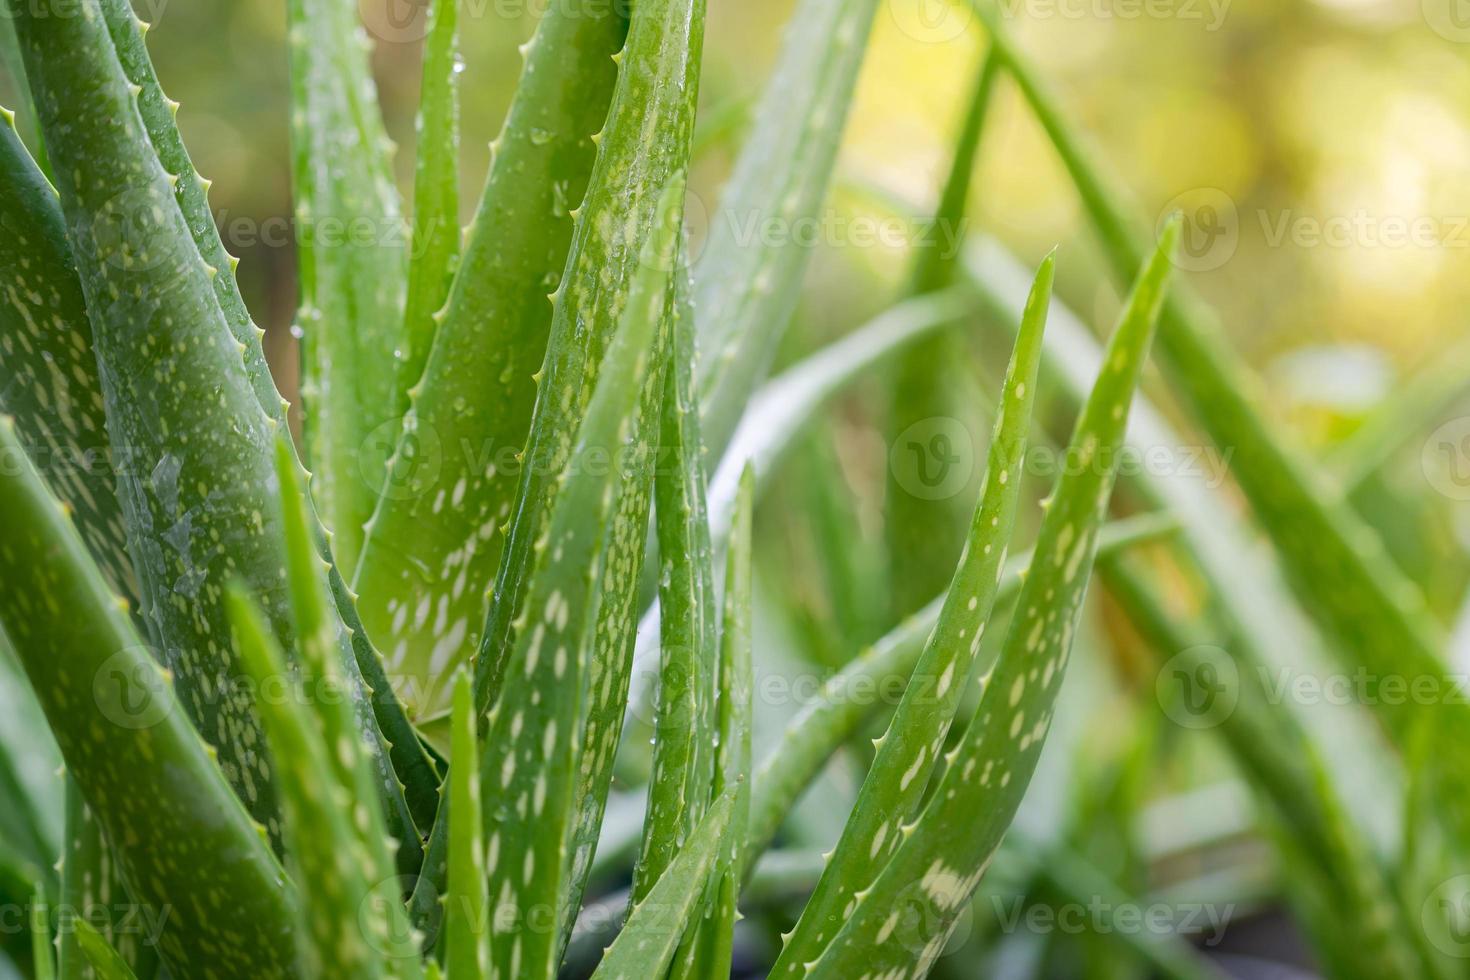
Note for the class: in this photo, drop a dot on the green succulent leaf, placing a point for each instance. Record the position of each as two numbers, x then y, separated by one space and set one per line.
435 540
684 714
465 945
911 747
846 700
165 359
91 888
709 950
657 90
183 394
43 961
335 716
647 943
746 294
339 936
105 960
435 191
539 746
350 245
192 848
945 851
158 113
1334 561
50 382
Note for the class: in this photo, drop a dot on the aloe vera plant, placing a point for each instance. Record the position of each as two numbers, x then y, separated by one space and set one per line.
354 709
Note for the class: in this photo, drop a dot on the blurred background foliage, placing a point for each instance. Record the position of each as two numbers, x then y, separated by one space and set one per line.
1298 136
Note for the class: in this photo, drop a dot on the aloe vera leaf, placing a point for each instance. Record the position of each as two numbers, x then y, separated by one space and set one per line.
846 700
920 532
190 491
1283 765
944 852
644 144
709 949
537 751
24 834
350 238
1334 561
435 540
325 852
912 744
647 943
435 240
144 771
746 294
49 380
92 888
1253 602
336 725
163 386
464 917
14 65
43 962
684 714
786 405
191 194
99 952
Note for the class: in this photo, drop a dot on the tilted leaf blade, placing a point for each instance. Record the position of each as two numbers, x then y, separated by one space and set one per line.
911 746
746 294
647 943
435 540
945 851
684 713
435 239
146 775
352 284
537 749
1335 562
846 702
99 952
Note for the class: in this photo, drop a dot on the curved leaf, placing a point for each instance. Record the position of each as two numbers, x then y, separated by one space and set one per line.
539 749
192 849
944 853
435 539
910 747
350 255
746 294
